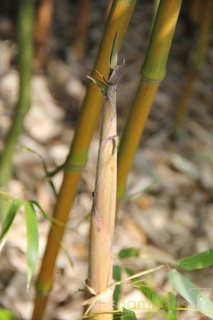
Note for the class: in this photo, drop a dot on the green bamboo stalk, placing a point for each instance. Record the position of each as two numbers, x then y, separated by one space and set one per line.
25 60
117 21
152 72
155 10
104 204
196 63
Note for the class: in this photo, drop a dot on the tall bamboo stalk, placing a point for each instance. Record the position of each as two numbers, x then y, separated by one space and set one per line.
152 72
197 61
117 21
104 204
25 59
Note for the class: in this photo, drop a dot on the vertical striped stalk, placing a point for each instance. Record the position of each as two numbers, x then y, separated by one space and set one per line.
197 62
104 204
42 29
117 21
152 72
25 59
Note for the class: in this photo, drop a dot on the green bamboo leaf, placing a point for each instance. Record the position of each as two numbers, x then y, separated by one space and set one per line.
152 295
55 221
197 261
13 209
149 292
172 306
128 253
128 315
44 214
117 291
191 293
32 239
7 315
102 86
48 174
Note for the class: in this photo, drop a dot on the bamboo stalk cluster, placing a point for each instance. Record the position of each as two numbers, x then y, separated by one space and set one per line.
110 180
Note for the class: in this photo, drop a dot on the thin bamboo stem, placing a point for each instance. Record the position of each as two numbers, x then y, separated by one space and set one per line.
118 20
152 72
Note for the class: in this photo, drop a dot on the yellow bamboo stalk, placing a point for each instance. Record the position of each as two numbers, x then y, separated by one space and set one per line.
132 133
196 64
117 21
152 72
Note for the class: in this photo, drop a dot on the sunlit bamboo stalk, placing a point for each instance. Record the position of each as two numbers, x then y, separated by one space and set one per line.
117 21
152 72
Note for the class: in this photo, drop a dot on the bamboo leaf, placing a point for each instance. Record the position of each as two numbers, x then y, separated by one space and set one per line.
101 85
13 209
149 292
32 239
197 261
191 293
45 215
172 306
128 253
7 315
117 291
128 315
48 174
152 295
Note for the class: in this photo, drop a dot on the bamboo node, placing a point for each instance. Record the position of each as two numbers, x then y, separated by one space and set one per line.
70 167
152 81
